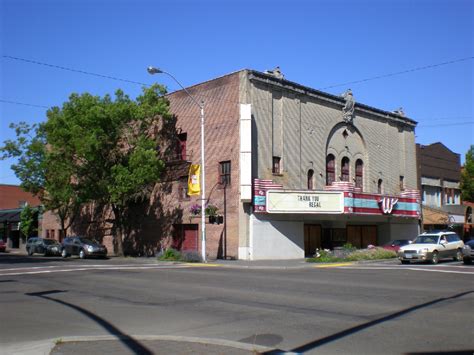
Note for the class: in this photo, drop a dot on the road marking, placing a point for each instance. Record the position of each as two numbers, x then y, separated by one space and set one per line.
405 268
128 267
202 264
333 265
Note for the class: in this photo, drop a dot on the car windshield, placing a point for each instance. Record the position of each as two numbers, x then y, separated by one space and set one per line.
427 239
87 241
50 241
470 243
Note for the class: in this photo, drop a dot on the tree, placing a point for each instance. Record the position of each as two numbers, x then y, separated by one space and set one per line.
28 222
467 177
95 150
112 148
43 171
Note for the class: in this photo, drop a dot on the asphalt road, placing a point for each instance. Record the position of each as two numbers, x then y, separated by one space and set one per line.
358 309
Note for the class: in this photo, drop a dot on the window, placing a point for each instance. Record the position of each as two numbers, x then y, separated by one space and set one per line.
379 186
359 171
330 169
345 169
310 179
224 173
181 147
276 165
22 204
402 183
183 188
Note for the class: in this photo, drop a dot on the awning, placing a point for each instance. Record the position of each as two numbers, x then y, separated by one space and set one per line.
434 216
10 216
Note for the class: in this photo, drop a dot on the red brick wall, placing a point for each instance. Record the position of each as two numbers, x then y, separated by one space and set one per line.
222 114
11 196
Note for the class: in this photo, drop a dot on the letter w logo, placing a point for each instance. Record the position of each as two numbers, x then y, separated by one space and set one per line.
387 204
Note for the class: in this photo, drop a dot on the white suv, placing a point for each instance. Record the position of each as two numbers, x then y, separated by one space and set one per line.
432 246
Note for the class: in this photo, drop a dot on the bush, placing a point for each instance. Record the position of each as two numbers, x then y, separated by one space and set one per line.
349 247
170 255
191 257
350 253
324 256
371 254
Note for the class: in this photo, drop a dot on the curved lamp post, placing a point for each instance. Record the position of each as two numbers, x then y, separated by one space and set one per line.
153 70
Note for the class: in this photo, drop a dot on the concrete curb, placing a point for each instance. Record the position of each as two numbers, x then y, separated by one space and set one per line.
44 347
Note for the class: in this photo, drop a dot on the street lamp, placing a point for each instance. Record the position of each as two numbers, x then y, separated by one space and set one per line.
152 71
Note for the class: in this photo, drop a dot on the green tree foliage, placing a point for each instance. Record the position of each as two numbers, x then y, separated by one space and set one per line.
94 149
28 222
467 177
43 170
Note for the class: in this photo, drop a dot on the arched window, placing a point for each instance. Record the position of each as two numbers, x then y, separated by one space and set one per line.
330 169
359 172
345 169
310 179
379 186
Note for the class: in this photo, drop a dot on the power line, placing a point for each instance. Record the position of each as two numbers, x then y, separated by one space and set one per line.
448 124
75 70
22 103
398 73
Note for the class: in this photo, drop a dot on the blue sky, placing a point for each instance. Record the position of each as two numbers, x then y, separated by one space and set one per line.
315 43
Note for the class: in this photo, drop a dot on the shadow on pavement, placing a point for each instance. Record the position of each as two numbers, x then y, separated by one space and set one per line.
317 343
127 340
23 259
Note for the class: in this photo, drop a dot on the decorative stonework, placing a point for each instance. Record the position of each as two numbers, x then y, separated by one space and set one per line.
348 109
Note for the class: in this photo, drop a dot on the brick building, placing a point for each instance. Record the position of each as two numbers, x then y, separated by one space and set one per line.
289 168
293 168
12 200
439 171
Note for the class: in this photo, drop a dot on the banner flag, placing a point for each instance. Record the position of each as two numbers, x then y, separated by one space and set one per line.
194 186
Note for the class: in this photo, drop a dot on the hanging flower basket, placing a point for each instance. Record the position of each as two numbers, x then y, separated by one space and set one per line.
195 210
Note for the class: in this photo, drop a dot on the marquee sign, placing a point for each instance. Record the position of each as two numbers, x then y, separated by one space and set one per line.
284 201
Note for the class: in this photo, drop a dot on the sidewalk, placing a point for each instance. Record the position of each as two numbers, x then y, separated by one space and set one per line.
129 345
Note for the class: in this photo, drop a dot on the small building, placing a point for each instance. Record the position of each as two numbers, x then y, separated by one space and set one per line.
12 201
439 172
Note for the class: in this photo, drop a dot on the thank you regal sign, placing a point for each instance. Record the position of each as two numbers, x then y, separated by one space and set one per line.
284 201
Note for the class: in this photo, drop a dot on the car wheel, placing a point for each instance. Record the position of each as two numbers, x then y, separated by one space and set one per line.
458 256
405 261
82 254
467 261
29 251
64 253
435 258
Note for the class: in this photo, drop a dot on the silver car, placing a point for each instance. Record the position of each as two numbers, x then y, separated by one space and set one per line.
468 252
432 247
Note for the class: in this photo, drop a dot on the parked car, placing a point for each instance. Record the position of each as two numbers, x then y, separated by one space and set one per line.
43 246
3 246
432 247
396 244
468 252
83 247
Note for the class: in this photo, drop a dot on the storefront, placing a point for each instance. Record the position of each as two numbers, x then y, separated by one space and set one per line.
290 224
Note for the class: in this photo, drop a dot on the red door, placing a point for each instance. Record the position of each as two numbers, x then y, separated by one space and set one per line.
186 237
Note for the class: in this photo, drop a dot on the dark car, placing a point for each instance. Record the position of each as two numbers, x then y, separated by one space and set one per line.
43 246
3 245
396 244
468 252
83 247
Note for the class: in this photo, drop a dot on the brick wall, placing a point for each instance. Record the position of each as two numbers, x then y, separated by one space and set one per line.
221 109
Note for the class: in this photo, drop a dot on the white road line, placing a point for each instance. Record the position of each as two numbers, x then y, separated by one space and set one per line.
131 267
404 268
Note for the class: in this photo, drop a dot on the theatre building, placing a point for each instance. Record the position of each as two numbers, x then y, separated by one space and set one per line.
292 169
